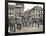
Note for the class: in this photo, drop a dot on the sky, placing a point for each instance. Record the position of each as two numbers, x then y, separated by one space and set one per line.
27 6
30 6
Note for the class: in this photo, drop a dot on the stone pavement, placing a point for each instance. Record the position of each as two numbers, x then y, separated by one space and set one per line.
30 29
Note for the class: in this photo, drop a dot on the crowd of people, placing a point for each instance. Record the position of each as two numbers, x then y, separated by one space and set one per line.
19 22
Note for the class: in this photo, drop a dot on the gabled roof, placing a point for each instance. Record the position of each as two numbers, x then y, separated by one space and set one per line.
37 8
27 11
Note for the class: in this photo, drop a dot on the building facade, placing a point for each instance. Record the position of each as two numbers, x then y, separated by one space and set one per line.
16 10
34 14
19 9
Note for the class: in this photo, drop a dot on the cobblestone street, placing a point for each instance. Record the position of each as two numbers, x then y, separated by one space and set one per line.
30 29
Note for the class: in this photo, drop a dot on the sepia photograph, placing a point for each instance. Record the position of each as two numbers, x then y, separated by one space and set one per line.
25 17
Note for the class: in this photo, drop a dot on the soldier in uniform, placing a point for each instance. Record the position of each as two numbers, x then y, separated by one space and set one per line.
11 23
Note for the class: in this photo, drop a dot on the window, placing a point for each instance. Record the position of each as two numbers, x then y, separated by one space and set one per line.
36 14
10 13
33 19
40 11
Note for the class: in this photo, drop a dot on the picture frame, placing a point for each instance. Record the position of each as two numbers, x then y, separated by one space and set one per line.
27 2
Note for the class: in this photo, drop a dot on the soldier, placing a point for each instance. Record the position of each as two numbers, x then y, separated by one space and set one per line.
12 23
19 23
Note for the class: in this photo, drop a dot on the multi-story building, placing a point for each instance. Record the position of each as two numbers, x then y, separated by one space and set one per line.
11 11
19 9
35 13
16 10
